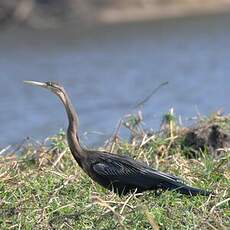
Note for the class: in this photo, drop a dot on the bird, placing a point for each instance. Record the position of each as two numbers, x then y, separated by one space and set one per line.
120 174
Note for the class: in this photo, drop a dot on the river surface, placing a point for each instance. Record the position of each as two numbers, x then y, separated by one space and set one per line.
107 70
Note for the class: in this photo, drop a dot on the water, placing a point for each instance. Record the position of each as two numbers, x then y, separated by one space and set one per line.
106 70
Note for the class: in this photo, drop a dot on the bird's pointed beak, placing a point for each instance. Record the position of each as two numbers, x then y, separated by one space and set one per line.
41 84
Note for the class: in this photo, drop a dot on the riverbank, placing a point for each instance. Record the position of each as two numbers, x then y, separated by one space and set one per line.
49 14
45 188
161 11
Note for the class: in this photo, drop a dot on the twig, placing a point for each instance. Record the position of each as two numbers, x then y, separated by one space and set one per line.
67 224
5 149
115 135
150 95
60 187
211 226
59 158
150 218
145 140
104 204
13 226
126 202
64 206
218 204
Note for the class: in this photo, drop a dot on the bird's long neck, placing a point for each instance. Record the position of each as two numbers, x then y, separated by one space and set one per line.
72 132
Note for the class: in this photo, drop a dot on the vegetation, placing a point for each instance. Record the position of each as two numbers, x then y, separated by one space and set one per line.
44 188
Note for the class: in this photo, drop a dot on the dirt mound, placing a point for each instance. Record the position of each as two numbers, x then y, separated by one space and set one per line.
208 136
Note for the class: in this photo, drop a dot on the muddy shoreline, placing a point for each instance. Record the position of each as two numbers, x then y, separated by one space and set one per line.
134 14
48 14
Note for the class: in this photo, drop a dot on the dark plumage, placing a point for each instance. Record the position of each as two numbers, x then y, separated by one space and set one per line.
118 173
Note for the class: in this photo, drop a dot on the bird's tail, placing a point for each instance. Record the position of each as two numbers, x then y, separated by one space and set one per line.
185 189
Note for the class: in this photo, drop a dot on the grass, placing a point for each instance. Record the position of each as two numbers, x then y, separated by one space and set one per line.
44 188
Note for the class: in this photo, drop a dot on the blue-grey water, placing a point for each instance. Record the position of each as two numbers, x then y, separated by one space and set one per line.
106 70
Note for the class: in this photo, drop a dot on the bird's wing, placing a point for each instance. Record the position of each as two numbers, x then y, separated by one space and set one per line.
109 168
144 167
127 170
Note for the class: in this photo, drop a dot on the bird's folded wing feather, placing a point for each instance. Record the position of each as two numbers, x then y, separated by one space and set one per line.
130 171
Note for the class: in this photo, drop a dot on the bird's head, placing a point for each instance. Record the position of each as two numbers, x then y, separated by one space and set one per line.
52 86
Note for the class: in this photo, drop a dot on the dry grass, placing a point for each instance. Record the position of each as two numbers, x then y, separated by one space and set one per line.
45 189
